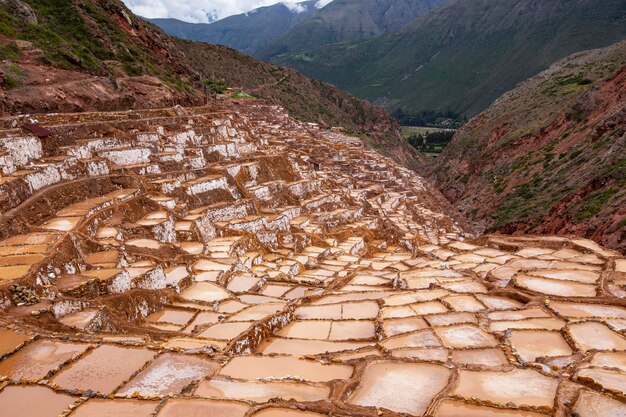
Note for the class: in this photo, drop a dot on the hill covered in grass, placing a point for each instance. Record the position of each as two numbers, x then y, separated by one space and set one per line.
548 156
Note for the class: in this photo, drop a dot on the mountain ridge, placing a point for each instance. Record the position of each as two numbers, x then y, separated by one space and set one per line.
247 32
348 20
424 65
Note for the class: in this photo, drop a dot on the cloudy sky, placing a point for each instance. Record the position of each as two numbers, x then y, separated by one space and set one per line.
201 11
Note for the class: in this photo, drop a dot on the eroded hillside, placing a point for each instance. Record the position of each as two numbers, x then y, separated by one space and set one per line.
549 156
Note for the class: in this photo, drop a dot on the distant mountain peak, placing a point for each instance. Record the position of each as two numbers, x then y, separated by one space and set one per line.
322 3
301 7
458 57
248 32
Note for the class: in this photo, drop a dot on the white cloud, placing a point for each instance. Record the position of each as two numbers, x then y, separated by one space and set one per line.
294 7
322 3
202 11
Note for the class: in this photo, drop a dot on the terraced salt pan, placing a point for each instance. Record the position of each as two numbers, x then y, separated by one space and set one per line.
282 368
306 347
433 307
465 336
593 335
169 315
527 313
205 291
168 327
261 391
352 297
103 369
119 408
519 387
533 344
592 404
8 273
198 407
608 379
547 324
449 408
414 297
423 354
285 412
348 311
10 340
38 358
466 303
38 238
203 318
62 224
144 243
258 312
352 330
231 306
498 303
225 331
68 282
242 283
555 287
393 327
33 401
397 312
80 319
610 360
480 357
193 344
580 310
421 338
309 329
169 373
400 387
450 318
465 287
585 277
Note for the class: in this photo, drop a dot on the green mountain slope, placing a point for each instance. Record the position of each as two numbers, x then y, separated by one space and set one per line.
348 20
462 56
549 156
247 32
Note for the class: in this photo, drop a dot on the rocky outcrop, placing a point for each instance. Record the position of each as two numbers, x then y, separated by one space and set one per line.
23 10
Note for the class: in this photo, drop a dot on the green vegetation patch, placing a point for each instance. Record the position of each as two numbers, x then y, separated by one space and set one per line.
430 119
77 35
593 203
217 87
13 76
433 141
10 51
567 85
242 95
